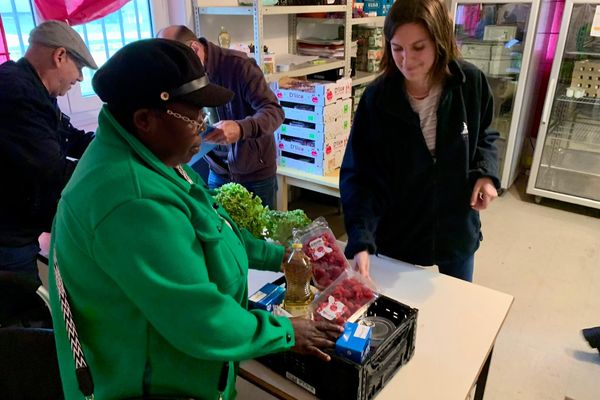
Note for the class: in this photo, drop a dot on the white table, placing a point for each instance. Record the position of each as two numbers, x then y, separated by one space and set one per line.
457 326
329 185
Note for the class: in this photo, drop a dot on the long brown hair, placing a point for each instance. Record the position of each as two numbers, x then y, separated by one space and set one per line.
434 17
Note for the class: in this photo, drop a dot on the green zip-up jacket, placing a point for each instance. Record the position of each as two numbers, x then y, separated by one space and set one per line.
156 279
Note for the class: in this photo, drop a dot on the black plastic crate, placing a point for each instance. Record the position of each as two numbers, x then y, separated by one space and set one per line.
343 379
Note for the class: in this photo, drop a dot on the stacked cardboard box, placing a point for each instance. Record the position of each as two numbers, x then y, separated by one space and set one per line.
357 92
491 58
586 77
374 8
314 134
369 47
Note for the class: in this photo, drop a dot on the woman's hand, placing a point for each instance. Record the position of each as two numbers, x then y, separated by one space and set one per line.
314 336
484 192
361 260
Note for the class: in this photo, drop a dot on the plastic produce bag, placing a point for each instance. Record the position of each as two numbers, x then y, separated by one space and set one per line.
349 293
327 258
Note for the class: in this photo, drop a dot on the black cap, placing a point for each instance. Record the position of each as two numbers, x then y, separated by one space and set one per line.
151 72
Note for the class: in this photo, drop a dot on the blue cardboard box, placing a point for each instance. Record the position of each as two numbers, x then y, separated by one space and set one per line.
355 342
267 297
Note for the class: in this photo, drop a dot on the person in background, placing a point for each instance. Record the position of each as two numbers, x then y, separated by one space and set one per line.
247 154
155 270
36 138
421 162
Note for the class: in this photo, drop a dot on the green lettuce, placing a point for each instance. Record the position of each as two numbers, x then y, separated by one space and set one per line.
244 208
281 223
247 211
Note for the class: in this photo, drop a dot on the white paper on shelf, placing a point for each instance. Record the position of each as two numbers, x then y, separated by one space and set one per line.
595 31
322 42
293 59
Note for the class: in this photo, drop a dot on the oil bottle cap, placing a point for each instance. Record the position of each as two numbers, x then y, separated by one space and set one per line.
296 245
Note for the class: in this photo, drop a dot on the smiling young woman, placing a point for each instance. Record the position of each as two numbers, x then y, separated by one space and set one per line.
421 160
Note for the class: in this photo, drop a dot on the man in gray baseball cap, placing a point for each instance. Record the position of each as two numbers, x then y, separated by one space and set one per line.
35 140
58 34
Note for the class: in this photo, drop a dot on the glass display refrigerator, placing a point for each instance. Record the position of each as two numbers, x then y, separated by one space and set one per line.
566 163
498 38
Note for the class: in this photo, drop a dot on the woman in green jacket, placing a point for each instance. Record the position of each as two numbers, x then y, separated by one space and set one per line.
155 270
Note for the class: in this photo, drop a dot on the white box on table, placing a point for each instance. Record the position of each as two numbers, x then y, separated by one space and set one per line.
312 92
318 114
500 33
500 52
319 132
499 67
476 50
308 147
483 65
305 158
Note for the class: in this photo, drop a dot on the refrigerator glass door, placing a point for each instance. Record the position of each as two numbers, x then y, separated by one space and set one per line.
570 160
492 36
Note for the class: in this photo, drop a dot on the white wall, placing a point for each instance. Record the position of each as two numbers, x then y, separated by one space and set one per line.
241 30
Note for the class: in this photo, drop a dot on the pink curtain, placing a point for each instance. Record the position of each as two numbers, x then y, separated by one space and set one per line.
76 12
3 45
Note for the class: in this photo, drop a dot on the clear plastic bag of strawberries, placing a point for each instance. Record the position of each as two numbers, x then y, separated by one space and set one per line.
350 293
326 257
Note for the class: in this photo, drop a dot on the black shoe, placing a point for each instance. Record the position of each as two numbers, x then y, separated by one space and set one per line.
592 335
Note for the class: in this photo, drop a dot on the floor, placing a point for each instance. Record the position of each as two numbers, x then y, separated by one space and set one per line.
548 257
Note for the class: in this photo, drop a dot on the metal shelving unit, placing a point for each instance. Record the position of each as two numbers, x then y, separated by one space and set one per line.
258 13
566 163
307 68
239 10
367 20
364 77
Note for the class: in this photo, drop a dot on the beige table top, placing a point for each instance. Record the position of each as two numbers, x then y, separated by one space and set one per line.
457 326
332 181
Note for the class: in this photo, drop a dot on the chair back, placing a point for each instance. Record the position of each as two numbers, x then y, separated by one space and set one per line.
29 365
22 303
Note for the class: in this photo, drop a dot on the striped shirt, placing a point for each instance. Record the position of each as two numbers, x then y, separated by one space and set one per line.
427 110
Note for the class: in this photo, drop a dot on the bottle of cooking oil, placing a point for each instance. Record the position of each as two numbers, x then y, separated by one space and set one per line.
224 38
298 272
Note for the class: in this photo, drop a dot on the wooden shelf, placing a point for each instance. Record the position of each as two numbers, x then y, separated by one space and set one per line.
341 21
240 10
307 68
285 10
363 77
328 21
271 10
367 20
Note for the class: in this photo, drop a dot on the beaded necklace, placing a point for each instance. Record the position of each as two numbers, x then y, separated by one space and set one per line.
179 169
